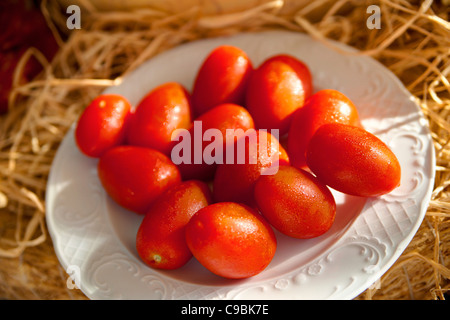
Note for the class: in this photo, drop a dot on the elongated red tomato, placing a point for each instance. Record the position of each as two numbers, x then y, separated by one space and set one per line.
295 203
163 110
325 106
135 176
160 240
277 88
231 240
103 124
353 161
222 78
255 154
209 132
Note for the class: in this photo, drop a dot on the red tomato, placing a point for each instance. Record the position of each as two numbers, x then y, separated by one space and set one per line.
135 176
235 181
231 240
23 26
222 78
223 117
160 240
353 161
295 203
325 106
163 110
103 124
276 89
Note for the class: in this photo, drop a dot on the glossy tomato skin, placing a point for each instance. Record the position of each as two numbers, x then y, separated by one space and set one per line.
222 78
227 116
231 240
295 203
163 110
103 124
160 240
135 176
277 88
234 181
353 161
325 106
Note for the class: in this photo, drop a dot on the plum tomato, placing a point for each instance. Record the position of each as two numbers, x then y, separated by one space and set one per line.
163 110
352 160
224 117
295 203
103 124
222 78
135 176
277 88
325 106
160 240
231 240
254 154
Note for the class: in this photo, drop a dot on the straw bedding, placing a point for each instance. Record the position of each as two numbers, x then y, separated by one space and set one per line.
414 42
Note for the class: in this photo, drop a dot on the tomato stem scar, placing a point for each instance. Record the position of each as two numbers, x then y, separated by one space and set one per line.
157 258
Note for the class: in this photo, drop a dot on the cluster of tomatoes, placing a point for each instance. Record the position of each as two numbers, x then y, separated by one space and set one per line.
223 213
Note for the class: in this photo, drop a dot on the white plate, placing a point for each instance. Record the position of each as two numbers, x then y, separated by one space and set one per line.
94 238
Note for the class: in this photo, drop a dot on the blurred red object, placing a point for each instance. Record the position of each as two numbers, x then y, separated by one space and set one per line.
22 26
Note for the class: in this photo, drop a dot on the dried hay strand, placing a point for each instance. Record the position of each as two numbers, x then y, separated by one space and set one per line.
413 42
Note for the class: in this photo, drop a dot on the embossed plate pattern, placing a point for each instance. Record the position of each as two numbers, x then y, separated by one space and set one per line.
94 238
